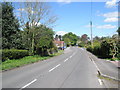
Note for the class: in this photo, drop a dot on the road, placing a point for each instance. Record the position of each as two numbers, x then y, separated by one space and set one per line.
73 69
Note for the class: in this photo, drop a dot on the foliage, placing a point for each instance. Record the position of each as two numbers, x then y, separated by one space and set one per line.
118 31
118 56
10 64
10 27
43 39
67 41
70 37
13 54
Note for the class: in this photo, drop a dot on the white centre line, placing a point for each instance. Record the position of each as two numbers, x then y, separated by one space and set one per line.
28 84
100 81
54 67
70 56
65 60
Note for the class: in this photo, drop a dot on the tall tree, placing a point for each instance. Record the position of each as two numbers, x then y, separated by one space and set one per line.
84 38
10 27
36 13
118 31
72 37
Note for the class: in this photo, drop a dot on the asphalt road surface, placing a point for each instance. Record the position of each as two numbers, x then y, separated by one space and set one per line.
73 69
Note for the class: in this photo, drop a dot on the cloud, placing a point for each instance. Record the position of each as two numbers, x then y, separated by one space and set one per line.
109 26
111 4
111 20
111 16
65 1
61 33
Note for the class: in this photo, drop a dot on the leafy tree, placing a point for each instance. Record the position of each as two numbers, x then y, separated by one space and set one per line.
72 37
43 39
10 27
105 49
118 31
67 41
60 37
84 38
36 13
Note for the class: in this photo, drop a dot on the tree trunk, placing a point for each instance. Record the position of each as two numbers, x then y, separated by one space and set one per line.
32 44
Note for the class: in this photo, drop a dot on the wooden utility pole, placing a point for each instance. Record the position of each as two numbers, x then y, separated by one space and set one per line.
91 33
91 26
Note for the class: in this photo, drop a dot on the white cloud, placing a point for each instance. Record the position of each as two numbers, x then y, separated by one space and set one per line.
111 16
65 1
61 33
106 26
110 4
111 20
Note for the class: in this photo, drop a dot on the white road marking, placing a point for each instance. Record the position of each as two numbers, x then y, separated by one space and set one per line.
65 60
100 81
28 84
96 65
54 67
70 56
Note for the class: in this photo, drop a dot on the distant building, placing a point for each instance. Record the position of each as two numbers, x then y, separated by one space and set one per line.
59 44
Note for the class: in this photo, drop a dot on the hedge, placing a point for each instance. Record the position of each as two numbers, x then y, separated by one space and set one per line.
13 54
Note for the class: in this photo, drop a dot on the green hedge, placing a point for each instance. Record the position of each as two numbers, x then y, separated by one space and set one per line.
13 54
118 56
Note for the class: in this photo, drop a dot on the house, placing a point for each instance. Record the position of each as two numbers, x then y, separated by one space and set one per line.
59 44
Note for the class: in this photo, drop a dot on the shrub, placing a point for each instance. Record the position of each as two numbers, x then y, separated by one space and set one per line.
118 56
13 54
90 49
97 50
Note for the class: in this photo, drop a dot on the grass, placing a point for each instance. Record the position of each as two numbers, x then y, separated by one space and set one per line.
10 64
112 59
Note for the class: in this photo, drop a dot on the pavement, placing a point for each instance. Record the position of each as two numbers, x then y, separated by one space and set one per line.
73 69
107 69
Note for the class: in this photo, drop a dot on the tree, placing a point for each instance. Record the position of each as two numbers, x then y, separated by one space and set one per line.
67 41
60 37
84 38
43 39
72 37
118 31
36 13
105 49
10 27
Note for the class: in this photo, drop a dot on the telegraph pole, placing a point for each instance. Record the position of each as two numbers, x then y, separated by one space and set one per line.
91 26
91 33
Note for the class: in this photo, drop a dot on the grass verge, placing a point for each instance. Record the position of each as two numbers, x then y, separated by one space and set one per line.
10 64
112 59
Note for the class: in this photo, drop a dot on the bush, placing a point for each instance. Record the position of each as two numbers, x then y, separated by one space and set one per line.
97 50
13 54
118 56
90 49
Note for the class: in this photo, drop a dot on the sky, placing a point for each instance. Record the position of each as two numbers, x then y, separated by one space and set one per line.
76 16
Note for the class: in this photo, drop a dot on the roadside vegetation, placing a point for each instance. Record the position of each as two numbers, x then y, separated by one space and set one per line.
13 63
28 38
107 48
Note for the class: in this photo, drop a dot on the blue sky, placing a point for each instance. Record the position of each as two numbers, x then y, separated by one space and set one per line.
75 17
